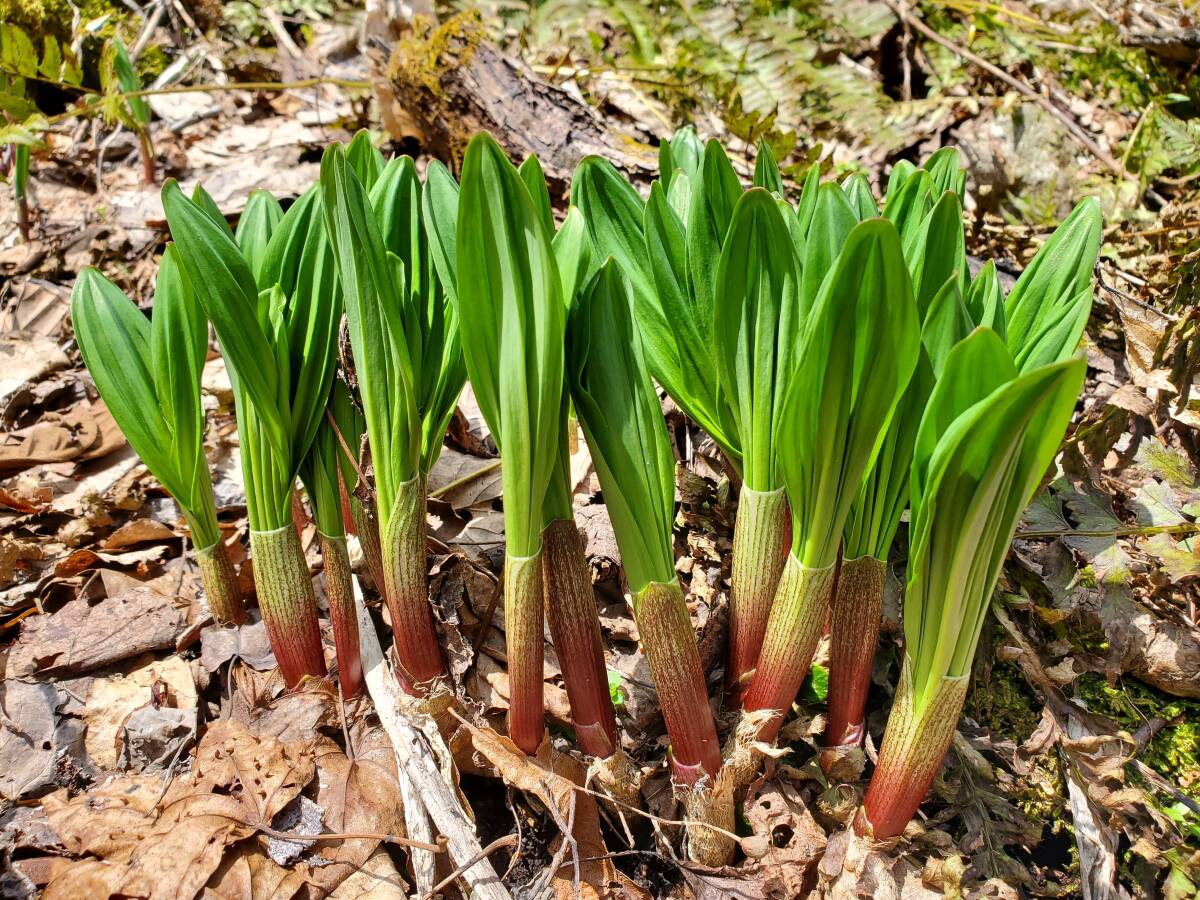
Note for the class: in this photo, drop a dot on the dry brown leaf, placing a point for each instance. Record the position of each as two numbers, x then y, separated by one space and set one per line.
112 699
376 879
25 358
85 431
238 782
794 841
359 795
137 531
247 873
465 481
83 636
552 777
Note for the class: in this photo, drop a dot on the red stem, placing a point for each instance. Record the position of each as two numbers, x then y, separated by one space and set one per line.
575 629
792 634
342 614
914 745
674 661
523 621
405 585
285 596
760 547
146 150
855 611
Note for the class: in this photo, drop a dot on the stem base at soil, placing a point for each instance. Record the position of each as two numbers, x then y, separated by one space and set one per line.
914 745
289 609
220 582
793 630
855 611
342 613
405 586
674 661
761 537
523 636
575 630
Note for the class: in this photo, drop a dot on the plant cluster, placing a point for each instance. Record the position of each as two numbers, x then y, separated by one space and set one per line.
843 358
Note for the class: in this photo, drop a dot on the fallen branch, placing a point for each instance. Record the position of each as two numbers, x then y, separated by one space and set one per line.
416 760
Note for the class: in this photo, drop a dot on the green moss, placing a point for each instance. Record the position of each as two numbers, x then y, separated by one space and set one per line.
151 62
1001 701
1175 751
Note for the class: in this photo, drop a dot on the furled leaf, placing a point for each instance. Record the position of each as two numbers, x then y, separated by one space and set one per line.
859 351
622 420
979 459
1048 307
757 326
512 325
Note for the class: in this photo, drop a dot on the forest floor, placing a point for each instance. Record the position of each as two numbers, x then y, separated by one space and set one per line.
129 722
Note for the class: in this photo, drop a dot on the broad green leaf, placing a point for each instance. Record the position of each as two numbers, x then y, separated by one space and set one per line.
1048 307
981 474
714 195
859 350
439 204
676 328
128 356
938 252
254 228
535 182
613 211
374 291
901 172
204 200
225 287
757 326
831 222
623 423
682 153
946 169
946 323
908 207
365 159
974 368
573 252
512 325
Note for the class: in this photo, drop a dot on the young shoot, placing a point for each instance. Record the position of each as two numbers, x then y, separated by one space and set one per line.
986 439
277 333
409 370
148 373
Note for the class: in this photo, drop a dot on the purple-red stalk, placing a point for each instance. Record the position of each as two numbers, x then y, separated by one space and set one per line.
575 630
855 612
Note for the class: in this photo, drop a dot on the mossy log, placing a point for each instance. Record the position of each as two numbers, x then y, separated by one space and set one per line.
452 83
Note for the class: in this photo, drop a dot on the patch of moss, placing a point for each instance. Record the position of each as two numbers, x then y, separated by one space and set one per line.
1001 701
151 62
421 58
1175 751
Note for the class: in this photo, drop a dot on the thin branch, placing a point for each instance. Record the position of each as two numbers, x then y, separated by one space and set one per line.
507 841
1145 531
1072 127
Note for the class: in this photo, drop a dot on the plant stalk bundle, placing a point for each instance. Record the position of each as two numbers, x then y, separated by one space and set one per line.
269 291
986 439
622 421
148 373
409 369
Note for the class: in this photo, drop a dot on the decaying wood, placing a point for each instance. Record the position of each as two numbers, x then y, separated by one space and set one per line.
454 83
415 759
1180 45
